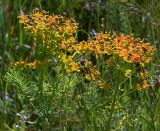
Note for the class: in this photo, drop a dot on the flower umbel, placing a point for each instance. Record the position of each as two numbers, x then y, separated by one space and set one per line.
54 36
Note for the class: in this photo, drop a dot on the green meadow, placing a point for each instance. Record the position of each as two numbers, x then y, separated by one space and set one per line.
81 65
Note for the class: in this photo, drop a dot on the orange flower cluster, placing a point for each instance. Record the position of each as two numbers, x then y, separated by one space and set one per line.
143 84
85 68
32 65
143 75
55 36
51 31
41 21
132 50
70 65
126 47
100 45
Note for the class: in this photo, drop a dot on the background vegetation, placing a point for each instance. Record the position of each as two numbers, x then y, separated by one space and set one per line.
77 105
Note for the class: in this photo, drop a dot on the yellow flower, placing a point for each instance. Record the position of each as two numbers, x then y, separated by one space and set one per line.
143 84
19 63
103 84
74 67
142 74
31 65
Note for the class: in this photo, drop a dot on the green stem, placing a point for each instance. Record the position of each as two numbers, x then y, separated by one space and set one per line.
41 80
45 126
130 82
112 108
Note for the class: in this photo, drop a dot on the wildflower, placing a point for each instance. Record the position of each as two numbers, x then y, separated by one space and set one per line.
70 65
132 50
18 63
103 84
120 38
81 47
52 19
74 67
50 30
124 54
143 84
7 97
94 32
55 38
33 65
136 57
23 18
142 74
23 116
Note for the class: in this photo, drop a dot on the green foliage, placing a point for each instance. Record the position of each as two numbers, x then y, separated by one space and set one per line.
69 102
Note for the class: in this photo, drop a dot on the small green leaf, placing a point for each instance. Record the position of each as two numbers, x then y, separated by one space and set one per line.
128 72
